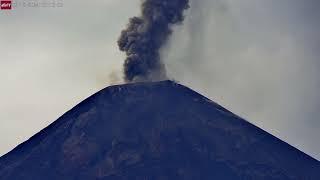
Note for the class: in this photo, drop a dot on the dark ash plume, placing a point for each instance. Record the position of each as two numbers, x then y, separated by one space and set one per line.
145 35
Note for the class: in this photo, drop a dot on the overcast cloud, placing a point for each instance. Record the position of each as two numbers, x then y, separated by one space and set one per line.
259 58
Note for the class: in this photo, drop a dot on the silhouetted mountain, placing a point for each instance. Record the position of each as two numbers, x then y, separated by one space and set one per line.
154 131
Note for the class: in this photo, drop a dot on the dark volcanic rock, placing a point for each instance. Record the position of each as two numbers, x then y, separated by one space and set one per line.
154 131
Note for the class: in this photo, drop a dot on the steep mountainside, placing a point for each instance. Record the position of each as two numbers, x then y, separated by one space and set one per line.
154 131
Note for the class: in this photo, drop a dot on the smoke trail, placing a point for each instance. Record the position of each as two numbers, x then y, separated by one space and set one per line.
145 35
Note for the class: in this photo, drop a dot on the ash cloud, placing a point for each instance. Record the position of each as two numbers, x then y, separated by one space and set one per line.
145 35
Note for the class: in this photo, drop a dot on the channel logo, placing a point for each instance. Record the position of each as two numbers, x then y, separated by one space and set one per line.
6 5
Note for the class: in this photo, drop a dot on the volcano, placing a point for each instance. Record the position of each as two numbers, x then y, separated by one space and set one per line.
154 131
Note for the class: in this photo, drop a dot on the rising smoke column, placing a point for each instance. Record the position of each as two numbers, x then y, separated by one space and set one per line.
145 35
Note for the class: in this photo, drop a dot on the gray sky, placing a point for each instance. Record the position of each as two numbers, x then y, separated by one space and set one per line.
258 58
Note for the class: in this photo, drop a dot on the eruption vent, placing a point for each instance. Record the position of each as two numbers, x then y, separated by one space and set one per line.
145 35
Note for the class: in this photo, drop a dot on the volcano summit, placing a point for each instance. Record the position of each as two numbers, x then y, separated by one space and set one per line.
154 131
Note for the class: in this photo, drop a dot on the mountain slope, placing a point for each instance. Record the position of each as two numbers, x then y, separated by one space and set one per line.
159 130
